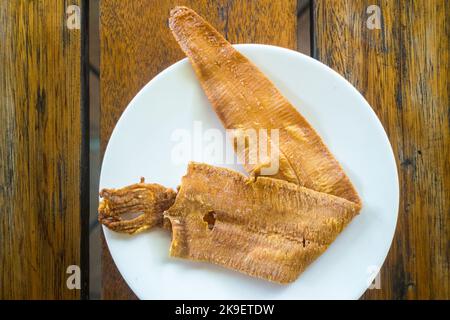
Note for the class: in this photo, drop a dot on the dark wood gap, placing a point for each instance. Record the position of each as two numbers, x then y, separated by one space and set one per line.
312 38
84 158
304 26
94 241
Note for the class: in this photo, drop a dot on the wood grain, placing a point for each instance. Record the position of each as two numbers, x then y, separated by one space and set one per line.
403 71
136 44
40 150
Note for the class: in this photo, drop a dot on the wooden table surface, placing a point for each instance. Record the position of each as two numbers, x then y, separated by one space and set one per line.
402 69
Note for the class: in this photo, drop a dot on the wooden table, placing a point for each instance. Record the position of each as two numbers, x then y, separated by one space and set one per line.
402 69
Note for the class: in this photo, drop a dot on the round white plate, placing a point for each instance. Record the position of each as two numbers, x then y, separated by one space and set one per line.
173 102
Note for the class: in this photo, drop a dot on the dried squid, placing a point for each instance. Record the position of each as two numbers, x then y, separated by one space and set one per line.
271 227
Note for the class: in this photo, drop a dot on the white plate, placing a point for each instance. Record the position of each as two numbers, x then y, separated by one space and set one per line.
141 145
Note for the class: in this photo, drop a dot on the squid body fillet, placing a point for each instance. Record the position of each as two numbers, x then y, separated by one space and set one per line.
243 98
266 227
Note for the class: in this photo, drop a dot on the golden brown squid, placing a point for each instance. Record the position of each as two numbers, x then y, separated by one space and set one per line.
268 227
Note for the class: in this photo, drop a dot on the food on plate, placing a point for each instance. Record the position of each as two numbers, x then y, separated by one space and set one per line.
267 226
147 201
271 229
243 97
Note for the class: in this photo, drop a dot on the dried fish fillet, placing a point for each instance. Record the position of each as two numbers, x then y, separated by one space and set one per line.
267 228
147 201
243 98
